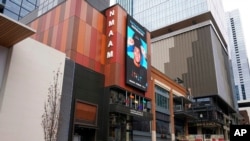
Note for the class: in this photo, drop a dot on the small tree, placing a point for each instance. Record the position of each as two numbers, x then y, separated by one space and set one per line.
50 117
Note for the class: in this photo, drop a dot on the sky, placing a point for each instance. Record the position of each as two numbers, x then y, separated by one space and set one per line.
243 7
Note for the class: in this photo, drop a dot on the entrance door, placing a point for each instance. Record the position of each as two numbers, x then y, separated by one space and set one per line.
84 134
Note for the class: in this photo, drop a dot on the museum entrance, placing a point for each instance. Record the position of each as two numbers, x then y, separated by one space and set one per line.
120 127
84 134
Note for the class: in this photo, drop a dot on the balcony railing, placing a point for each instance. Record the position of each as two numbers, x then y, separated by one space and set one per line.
184 112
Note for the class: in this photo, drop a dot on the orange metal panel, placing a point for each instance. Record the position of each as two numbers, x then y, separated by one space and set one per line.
48 18
45 37
95 19
80 37
83 11
101 20
67 9
87 40
64 35
54 36
57 15
73 6
103 49
93 43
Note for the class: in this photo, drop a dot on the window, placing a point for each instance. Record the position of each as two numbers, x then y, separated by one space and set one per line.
161 97
86 113
162 123
141 125
162 127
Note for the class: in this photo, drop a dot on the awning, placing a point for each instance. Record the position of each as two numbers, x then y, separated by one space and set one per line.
128 111
11 31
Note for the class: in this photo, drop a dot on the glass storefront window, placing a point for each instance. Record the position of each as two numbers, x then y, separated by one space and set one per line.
141 125
162 127
129 100
120 127
161 97
122 123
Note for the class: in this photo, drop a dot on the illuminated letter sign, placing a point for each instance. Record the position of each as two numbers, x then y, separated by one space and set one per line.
112 22
110 33
110 44
110 54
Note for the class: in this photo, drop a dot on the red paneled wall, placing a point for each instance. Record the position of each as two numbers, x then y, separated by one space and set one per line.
77 29
115 66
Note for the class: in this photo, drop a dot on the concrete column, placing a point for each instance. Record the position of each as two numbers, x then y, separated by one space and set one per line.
153 106
186 128
171 106
226 135
199 130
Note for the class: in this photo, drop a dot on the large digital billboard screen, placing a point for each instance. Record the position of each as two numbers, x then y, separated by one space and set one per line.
136 55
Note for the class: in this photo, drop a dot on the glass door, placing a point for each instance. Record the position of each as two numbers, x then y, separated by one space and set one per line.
120 127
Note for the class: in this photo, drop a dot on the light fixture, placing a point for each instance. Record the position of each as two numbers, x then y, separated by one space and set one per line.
201 115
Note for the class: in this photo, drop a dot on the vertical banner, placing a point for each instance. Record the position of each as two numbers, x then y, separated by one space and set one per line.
136 55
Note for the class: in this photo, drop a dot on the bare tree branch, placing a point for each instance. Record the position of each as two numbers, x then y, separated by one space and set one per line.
50 117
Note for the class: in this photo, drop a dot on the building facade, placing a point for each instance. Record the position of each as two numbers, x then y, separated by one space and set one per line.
160 13
203 64
239 58
93 41
189 44
170 105
99 100
25 77
244 109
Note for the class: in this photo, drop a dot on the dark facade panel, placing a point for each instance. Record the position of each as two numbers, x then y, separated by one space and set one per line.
224 81
193 61
202 64
89 87
64 130
88 84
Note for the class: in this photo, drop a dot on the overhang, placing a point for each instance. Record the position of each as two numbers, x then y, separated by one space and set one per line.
128 111
185 115
183 100
243 104
11 31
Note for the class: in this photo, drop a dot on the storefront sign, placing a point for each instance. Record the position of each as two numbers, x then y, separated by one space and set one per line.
134 112
110 33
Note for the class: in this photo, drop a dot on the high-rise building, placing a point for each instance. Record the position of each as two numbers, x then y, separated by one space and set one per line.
77 56
160 13
189 44
126 4
239 58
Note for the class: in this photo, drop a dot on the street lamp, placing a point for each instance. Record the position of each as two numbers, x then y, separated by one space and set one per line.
201 117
